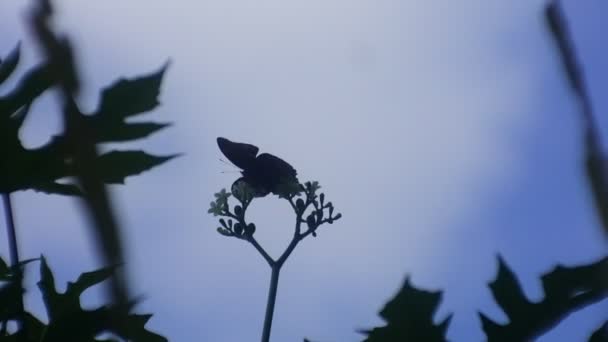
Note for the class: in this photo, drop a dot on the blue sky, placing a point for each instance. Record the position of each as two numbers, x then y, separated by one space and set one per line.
444 134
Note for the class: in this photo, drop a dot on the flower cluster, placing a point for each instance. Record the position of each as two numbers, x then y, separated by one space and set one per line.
308 204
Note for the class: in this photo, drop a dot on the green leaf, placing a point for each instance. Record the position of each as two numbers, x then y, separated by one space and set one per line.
566 289
115 166
128 97
8 65
409 316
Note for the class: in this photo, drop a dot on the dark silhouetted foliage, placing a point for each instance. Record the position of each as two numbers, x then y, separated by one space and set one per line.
567 289
68 321
69 164
42 168
409 317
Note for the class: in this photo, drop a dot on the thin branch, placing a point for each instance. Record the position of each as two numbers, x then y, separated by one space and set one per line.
11 230
559 27
596 167
14 253
261 250
292 245
293 205
309 231
96 199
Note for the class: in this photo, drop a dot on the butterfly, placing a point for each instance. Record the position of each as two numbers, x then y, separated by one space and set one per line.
264 173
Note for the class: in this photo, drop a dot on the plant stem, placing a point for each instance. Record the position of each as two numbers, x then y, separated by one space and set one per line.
13 249
272 296
10 228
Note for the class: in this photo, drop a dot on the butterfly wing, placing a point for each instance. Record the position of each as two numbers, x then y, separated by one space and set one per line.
270 171
240 154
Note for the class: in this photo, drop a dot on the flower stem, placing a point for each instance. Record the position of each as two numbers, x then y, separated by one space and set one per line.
272 296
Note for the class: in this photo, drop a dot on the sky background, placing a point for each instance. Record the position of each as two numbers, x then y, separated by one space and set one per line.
445 134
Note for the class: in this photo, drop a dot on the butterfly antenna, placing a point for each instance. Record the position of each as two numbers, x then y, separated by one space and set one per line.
228 164
225 162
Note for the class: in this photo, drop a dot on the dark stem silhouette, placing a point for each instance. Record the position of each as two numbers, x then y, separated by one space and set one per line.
272 297
322 212
14 252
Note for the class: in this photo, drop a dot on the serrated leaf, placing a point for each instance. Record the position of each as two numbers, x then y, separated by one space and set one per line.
68 321
409 316
134 329
566 289
115 166
120 131
34 83
508 293
87 280
58 188
8 65
128 97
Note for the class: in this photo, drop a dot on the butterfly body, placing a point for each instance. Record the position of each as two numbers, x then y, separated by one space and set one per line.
265 173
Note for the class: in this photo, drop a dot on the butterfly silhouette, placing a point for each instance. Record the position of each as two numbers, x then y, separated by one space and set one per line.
264 173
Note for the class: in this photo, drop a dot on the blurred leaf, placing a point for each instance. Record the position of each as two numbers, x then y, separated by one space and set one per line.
41 168
10 305
8 65
134 329
120 131
32 85
128 97
58 188
409 316
559 30
10 290
601 334
68 321
123 99
566 290
115 166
